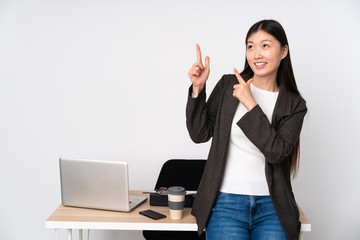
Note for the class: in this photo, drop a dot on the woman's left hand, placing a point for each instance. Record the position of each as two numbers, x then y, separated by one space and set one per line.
243 93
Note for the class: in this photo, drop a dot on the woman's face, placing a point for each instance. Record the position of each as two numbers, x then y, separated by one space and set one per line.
264 54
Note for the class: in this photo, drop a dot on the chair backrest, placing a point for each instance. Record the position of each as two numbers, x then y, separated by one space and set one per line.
181 172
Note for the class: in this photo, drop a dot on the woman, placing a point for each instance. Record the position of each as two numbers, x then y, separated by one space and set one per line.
255 119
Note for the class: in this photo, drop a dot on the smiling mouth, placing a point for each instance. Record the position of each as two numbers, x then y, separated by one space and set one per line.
260 64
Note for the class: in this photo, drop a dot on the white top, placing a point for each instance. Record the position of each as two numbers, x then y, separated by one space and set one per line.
245 165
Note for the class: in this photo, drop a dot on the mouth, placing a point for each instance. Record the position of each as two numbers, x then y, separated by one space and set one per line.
260 64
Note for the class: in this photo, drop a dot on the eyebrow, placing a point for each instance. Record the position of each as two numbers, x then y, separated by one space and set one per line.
265 40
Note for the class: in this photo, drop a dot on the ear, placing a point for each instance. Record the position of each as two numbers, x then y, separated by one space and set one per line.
284 51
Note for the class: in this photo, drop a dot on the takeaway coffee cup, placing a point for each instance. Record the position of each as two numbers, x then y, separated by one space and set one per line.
176 198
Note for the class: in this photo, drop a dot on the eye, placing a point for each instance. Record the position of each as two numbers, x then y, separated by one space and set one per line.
250 47
266 46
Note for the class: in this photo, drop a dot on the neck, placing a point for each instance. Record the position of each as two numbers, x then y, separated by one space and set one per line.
267 83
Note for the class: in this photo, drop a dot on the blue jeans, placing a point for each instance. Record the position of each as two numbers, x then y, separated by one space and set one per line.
244 217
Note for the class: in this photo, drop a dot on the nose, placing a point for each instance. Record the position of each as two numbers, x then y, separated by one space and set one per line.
257 54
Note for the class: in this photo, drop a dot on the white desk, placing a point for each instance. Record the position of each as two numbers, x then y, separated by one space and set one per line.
81 218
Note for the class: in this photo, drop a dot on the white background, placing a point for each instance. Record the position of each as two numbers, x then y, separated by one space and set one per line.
108 80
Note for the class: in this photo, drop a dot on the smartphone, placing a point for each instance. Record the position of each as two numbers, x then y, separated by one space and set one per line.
152 214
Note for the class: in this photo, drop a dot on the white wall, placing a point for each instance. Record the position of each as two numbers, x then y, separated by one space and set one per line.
108 80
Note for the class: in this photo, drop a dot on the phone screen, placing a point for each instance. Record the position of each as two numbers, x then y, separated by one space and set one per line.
152 214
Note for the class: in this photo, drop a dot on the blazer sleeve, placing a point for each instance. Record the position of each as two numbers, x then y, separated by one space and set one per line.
275 145
201 115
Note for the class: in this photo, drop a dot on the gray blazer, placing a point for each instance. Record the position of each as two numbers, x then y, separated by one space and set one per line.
276 140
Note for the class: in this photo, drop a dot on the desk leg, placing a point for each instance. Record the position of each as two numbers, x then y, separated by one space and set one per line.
69 234
57 233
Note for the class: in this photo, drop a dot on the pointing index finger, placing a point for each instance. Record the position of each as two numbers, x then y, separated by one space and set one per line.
239 78
198 53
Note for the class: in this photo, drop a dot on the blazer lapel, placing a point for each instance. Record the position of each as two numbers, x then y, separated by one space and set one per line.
282 108
230 107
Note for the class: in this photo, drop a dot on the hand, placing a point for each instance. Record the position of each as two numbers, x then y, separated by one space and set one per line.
243 93
198 73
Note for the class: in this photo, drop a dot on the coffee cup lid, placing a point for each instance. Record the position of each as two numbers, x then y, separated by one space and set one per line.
176 190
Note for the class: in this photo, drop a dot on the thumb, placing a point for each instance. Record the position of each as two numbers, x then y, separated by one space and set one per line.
207 63
249 81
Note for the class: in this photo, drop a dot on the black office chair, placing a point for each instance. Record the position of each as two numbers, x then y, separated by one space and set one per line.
178 172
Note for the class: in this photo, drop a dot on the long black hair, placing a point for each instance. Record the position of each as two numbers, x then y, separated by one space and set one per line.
285 76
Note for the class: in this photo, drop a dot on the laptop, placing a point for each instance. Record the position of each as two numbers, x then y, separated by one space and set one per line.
96 184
